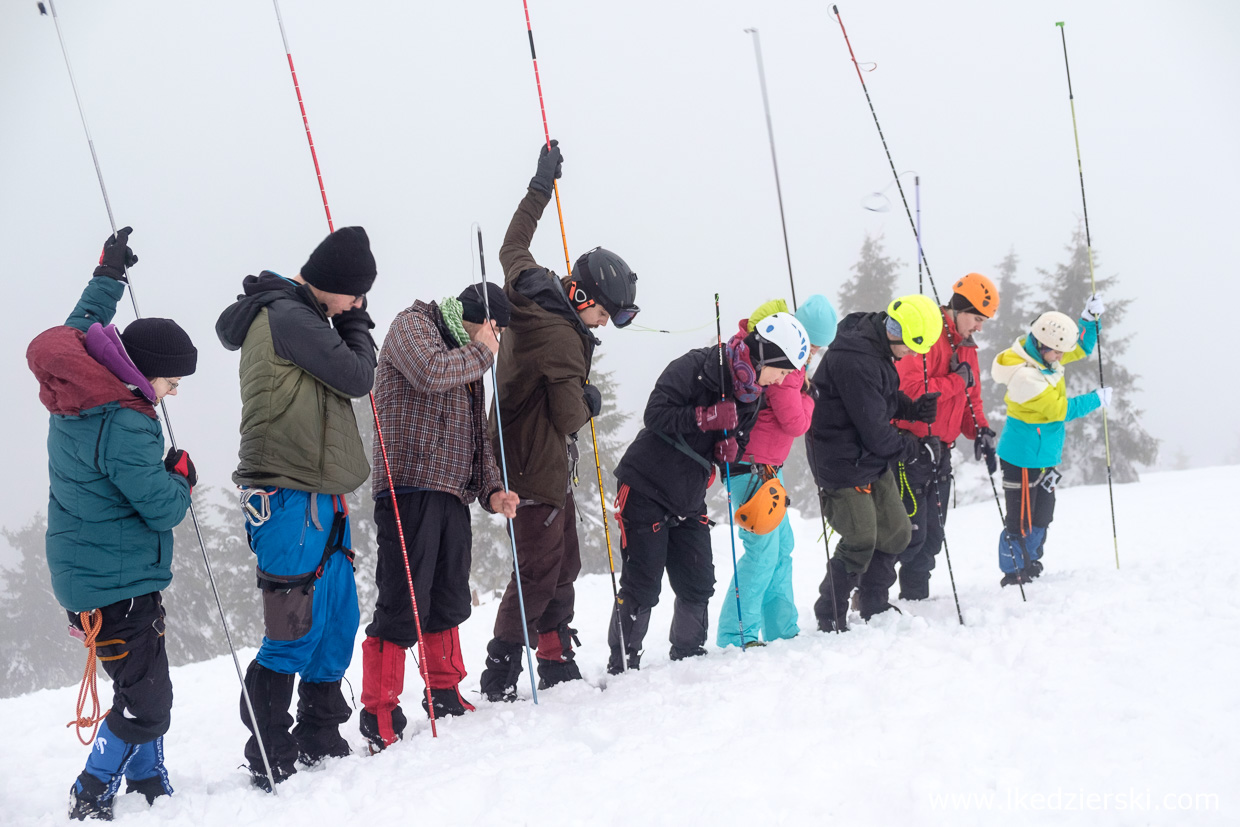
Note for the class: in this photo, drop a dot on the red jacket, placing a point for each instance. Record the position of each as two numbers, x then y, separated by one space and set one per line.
954 417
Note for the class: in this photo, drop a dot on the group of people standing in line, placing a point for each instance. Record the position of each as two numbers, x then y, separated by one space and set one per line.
892 393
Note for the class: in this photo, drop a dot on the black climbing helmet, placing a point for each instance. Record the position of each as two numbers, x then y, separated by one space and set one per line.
602 276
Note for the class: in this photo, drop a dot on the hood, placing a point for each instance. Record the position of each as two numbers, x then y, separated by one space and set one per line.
1013 359
71 380
543 289
863 333
257 292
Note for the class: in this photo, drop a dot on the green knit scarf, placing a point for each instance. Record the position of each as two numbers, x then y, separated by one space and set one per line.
452 311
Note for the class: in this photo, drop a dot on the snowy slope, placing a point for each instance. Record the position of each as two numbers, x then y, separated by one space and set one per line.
1111 694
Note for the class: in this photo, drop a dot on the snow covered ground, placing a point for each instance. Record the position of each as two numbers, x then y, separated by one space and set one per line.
1108 698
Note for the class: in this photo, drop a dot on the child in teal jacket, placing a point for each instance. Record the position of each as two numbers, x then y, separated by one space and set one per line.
1031 445
113 502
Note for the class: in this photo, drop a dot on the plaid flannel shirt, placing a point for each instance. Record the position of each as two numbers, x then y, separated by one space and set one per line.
431 407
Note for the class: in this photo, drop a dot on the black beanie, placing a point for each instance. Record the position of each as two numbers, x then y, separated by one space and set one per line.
342 263
475 309
961 305
764 353
159 347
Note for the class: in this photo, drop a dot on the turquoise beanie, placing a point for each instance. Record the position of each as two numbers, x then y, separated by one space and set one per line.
819 319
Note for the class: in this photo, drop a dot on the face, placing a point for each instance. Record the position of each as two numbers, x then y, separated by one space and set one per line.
969 323
165 386
594 316
1051 356
336 303
899 349
772 376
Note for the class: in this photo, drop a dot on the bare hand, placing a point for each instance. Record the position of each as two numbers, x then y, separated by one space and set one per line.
486 335
505 502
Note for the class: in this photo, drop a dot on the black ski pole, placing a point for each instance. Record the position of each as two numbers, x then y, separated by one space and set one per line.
727 471
921 250
1093 286
245 693
925 375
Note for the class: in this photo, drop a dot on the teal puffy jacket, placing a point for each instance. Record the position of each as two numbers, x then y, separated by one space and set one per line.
112 504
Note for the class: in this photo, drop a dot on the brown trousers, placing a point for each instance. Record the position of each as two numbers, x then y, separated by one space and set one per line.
549 559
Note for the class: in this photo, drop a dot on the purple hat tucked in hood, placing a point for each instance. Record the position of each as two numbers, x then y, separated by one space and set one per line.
105 347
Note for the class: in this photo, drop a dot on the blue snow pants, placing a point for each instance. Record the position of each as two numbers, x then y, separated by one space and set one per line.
765 575
1030 500
308 631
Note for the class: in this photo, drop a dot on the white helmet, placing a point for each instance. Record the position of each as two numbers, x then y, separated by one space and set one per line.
788 335
1055 330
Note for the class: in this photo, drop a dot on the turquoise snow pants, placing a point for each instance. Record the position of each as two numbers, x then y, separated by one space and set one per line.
765 574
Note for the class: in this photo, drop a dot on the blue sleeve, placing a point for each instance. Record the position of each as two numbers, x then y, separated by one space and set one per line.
98 303
1089 337
133 460
1078 406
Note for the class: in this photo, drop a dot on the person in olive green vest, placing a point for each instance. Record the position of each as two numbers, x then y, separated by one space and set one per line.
306 352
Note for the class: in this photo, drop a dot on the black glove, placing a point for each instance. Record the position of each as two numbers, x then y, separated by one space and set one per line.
931 450
594 399
116 256
984 446
926 408
549 162
963 370
354 318
178 462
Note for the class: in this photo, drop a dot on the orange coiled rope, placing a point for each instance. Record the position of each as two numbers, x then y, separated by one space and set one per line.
92 622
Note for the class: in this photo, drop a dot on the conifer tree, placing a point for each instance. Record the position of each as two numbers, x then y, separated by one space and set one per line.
874 284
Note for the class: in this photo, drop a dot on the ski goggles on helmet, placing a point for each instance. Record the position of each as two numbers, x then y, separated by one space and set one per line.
624 316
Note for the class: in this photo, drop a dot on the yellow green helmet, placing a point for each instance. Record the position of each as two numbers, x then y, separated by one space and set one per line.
920 321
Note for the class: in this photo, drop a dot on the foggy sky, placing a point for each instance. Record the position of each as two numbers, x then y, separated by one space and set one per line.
425 117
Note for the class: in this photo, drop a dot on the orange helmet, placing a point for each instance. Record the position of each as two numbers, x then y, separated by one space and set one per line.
979 292
764 511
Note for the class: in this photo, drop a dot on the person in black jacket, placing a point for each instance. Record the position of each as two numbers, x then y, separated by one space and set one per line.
698 415
853 445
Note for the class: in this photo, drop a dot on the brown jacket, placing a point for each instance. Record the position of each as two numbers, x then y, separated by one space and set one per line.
429 395
544 361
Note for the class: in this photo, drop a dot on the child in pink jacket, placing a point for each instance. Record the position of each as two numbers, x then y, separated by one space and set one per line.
765 569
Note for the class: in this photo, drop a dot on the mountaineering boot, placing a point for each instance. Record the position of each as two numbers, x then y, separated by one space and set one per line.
874 585
321 709
88 798
382 721
271 693
92 794
445 669
690 622
556 663
499 678
914 585
1033 569
1013 578
831 607
633 621
146 773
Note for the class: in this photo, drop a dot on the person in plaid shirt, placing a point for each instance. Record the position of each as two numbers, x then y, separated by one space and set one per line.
429 395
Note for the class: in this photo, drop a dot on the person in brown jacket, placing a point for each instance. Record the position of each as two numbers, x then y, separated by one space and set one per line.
544 399
429 394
